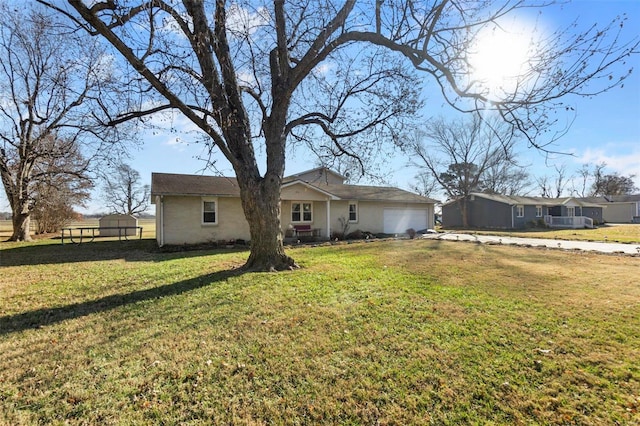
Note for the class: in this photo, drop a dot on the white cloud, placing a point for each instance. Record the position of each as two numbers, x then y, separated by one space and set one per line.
247 78
239 19
624 160
323 68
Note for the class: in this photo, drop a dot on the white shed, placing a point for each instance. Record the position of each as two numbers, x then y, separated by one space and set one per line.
110 224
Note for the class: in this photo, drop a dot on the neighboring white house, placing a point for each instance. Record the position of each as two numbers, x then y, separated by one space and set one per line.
193 209
619 208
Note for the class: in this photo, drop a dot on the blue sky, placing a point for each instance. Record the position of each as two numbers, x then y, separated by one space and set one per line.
606 128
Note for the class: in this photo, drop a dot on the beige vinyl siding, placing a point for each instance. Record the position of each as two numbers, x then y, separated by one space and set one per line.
371 214
179 217
183 221
299 192
319 217
619 212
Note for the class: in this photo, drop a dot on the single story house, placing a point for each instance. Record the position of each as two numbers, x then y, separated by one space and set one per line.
514 212
192 209
618 208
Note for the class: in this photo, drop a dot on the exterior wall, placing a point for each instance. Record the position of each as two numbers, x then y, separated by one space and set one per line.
157 202
179 219
484 213
182 221
318 216
451 216
371 215
620 212
529 216
594 213
564 210
302 193
481 213
299 192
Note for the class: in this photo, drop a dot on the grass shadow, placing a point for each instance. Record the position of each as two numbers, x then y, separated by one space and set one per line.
130 251
47 316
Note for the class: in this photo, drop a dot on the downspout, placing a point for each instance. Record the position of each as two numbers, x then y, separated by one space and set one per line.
161 220
513 223
328 218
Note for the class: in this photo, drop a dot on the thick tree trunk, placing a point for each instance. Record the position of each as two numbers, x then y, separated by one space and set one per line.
261 204
464 213
21 224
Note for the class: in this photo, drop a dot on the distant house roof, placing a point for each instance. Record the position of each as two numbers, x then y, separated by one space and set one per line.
594 200
539 201
631 198
198 185
623 198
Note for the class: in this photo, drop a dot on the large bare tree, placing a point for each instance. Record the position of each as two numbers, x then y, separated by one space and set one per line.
51 105
464 156
327 72
123 190
553 186
56 194
612 183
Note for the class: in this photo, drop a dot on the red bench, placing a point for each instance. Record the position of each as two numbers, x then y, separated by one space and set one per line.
306 231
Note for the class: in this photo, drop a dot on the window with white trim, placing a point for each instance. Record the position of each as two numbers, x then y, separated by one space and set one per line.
353 211
209 211
301 212
538 211
519 211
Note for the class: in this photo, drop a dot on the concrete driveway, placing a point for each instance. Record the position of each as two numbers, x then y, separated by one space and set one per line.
601 247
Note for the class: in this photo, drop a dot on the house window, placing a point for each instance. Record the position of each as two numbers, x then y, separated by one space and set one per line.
301 212
353 212
209 211
520 211
538 211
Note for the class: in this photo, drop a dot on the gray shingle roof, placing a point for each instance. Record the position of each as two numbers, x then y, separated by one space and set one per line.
199 185
623 198
539 201
632 198
372 193
178 184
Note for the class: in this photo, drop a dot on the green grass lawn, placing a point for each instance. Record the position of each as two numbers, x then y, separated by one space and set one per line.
394 332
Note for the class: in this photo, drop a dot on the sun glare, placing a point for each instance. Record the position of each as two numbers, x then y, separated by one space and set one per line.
499 60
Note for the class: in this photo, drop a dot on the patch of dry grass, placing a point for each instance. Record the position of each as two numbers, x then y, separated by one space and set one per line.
396 332
612 233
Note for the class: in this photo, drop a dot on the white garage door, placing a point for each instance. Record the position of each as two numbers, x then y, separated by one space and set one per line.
397 221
